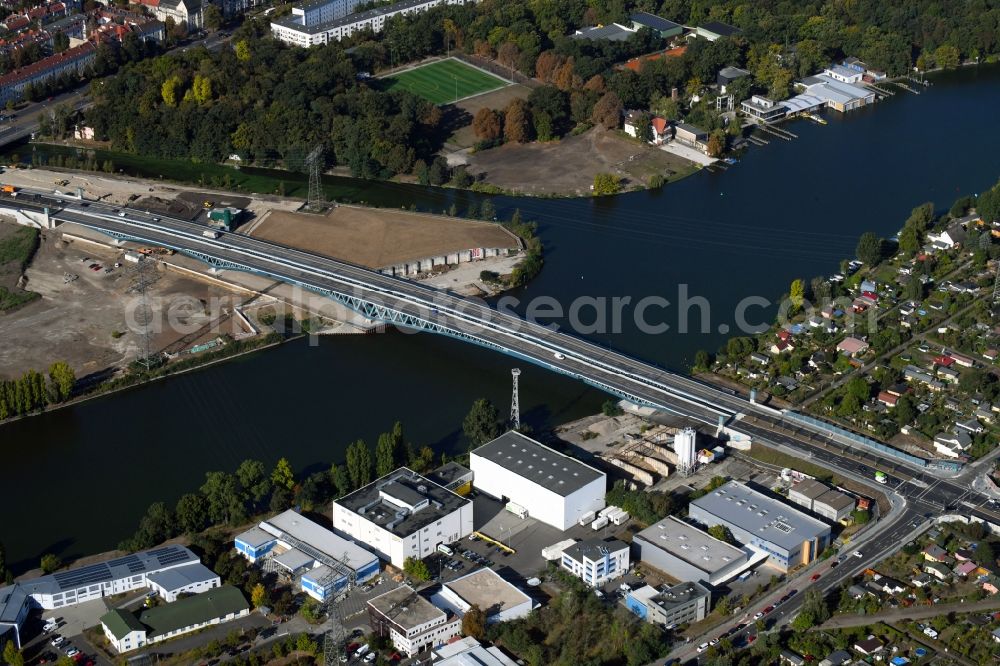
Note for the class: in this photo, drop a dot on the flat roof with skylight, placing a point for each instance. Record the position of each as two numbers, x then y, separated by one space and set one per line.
538 463
758 514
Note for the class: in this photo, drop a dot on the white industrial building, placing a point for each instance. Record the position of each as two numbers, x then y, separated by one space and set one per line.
103 579
470 652
327 24
190 579
402 515
766 524
497 598
324 562
554 488
687 553
595 561
411 622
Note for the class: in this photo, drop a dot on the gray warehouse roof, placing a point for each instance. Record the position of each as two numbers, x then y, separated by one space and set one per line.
692 545
314 537
405 607
538 463
174 579
810 488
402 502
768 518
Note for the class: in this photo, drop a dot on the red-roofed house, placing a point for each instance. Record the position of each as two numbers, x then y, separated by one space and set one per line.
888 399
944 361
965 568
784 335
16 22
37 13
663 130
73 60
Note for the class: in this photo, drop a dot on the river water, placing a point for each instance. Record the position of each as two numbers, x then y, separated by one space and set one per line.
77 480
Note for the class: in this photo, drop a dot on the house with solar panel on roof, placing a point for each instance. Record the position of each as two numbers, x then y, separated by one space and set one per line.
169 571
553 487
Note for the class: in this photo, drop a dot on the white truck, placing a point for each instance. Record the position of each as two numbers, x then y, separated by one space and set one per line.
619 517
606 511
517 510
599 523
210 234
587 518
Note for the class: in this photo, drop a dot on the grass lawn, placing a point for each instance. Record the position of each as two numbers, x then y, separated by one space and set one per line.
444 81
17 245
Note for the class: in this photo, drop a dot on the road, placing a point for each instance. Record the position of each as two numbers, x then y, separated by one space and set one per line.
916 493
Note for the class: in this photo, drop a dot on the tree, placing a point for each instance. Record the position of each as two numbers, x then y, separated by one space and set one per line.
50 563
486 125
283 475
517 122
212 17
259 596
482 423
252 476
869 249
416 568
223 498
340 480
242 50
722 533
507 55
716 143
947 57
606 183
608 111
803 621
797 293
11 655
63 379
611 408
359 463
168 91
191 513
474 622
385 454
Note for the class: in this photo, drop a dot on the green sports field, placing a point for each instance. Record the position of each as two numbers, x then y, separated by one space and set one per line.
444 81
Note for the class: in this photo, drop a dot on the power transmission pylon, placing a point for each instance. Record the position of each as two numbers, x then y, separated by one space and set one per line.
315 161
515 407
141 280
335 638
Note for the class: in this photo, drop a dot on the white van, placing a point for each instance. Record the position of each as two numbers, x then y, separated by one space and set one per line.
445 550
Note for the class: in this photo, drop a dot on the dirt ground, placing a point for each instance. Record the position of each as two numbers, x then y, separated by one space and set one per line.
86 320
10 272
568 167
463 136
379 237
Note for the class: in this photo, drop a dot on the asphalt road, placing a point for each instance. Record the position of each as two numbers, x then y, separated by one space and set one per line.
910 613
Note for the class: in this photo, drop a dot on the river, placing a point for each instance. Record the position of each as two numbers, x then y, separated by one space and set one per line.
77 480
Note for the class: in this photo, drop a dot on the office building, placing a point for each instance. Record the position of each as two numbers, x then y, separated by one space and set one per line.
497 598
295 546
687 553
402 515
670 606
787 535
595 561
554 488
411 622
87 583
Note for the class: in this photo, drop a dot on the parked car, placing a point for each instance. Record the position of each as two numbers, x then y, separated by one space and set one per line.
57 640
702 647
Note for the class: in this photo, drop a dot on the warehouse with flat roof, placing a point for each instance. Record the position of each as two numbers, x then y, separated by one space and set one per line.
498 599
787 535
553 487
821 499
687 553
324 562
403 514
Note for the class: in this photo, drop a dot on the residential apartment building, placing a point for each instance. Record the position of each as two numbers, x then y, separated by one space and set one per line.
73 61
303 29
595 561
411 622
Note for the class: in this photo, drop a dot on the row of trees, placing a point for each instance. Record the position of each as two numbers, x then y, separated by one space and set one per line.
33 390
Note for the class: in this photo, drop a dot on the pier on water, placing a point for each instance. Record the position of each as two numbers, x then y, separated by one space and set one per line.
757 141
907 87
778 132
883 91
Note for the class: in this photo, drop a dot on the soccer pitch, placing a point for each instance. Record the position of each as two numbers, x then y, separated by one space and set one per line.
444 81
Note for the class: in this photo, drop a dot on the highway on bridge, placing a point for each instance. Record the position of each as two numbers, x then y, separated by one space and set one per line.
917 494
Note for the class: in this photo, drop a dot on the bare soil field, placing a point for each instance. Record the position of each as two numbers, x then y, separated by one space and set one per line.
85 320
568 167
379 237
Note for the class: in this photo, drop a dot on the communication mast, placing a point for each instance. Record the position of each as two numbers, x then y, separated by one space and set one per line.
515 407
142 278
